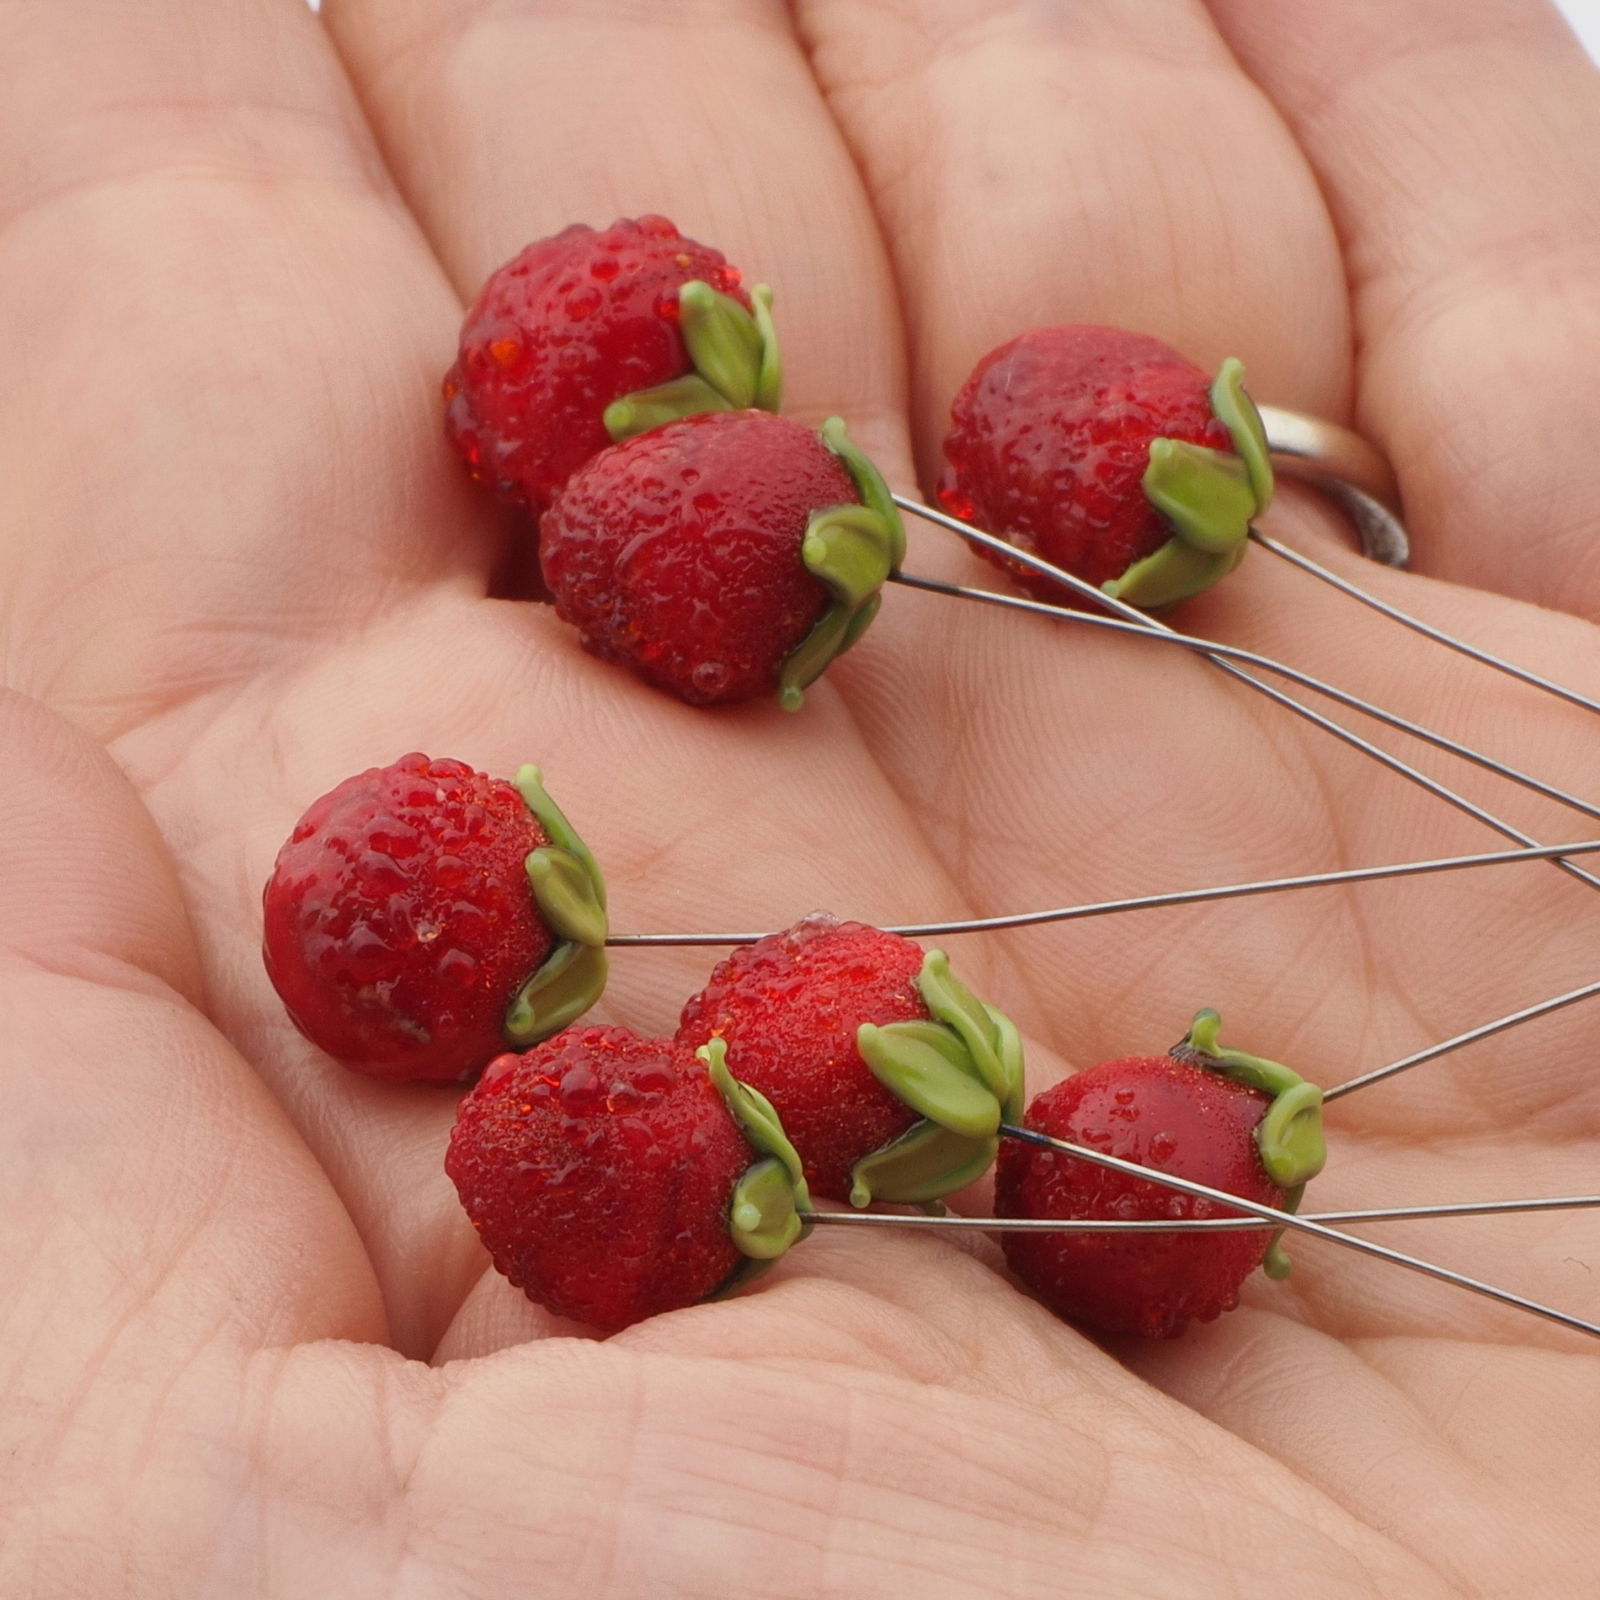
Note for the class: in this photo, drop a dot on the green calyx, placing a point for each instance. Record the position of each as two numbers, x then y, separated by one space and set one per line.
962 1071
763 1214
1289 1137
1209 496
850 550
735 357
571 898
1276 1263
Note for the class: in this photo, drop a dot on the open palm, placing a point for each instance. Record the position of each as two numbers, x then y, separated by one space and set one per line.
250 1346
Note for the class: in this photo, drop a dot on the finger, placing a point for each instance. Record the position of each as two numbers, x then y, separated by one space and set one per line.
1457 142
224 337
159 1220
1449 1419
1161 192
1100 163
504 123
828 1392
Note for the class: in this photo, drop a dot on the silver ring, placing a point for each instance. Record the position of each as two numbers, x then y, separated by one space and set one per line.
1347 469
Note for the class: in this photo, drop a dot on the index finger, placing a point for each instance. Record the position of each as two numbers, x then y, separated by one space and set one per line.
224 336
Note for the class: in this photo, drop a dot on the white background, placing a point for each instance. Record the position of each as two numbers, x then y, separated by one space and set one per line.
1584 15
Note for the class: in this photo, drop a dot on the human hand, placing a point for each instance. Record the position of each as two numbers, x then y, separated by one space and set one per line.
252 1347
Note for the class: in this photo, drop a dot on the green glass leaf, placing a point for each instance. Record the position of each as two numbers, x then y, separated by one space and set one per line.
1276 1263
963 1071
1237 413
1205 494
869 484
1177 571
860 620
951 1002
848 548
667 402
756 1116
569 982
761 1215
564 890
529 783
1290 1137
1013 1097
928 1067
812 657
1204 1038
925 1162
851 549
723 341
736 364
769 377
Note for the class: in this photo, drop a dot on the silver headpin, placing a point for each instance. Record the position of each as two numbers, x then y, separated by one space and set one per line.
1347 468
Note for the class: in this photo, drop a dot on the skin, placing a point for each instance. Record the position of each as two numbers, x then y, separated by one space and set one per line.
249 1345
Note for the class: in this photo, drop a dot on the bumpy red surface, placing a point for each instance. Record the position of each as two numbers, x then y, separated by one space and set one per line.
598 1169
1164 1114
573 323
788 1008
1050 438
399 921
677 553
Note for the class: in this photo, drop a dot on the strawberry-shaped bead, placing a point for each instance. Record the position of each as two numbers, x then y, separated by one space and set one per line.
1204 1113
1109 455
613 1177
891 1078
586 338
423 916
728 556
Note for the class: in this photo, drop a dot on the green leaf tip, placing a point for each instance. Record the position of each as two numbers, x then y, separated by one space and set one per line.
869 484
734 354
769 375
991 1038
570 896
529 783
851 550
961 1071
1236 411
571 979
763 1213
923 1164
1208 496
927 1066
645 409
1204 493
564 890
1173 573
1289 1136
1276 1263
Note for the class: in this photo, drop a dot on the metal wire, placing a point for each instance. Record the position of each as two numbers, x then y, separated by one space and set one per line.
1285 1219
1226 652
1427 630
1174 897
1153 625
953 1224
1472 1036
